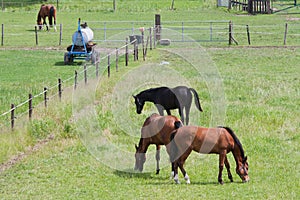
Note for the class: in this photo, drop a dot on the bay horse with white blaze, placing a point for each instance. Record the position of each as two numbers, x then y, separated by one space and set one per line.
221 140
46 11
156 130
167 99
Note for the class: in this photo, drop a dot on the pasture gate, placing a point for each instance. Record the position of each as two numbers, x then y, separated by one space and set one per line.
252 6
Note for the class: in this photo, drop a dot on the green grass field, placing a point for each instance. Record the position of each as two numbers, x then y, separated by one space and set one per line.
261 104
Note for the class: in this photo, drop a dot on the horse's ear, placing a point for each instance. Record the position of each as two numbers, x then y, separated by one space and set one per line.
245 159
134 96
136 147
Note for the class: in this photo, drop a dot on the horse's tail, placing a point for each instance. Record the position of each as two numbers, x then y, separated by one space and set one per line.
173 146
51 15
197 101
236 140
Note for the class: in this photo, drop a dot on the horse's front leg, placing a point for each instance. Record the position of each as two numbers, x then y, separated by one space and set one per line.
157 156
227 165
45 24
54 24
222 158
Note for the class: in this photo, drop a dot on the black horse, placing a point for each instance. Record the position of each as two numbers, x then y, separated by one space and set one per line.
167 99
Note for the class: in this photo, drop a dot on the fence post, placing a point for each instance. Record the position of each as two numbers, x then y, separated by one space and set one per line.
157 26
145 54
12 116
117 59
285 33
75 80
134 49
150 36
30 106
60 34
36 35
114 5
2 34
248 35
108 65
45 97
143 44
59 89
97 68
154 38
230 32
126 53
85 74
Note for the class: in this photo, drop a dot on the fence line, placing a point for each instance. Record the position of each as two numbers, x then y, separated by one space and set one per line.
59 85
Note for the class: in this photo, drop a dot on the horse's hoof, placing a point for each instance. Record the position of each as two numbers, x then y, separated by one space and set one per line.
221 182
157 171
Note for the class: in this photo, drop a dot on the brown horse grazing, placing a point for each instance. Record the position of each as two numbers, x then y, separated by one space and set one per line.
221 140
156 130
46 11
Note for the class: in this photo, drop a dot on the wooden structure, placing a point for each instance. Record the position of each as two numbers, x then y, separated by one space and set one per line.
252 6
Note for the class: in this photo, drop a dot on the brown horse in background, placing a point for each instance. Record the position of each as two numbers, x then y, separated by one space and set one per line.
220 141
156 130
46 11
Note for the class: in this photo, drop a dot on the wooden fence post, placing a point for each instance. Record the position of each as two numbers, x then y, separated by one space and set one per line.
60 34
108 66
285 33
134 50
143 45
230 32
2 34
59 89
145 54
36 35
114 5
97 68
150 36
157 26
248 34
75 80
30 106
85 74
12 116
117 59
45 97
126 53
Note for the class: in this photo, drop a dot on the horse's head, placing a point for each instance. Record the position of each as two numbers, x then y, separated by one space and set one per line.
140 159
242 170
139 104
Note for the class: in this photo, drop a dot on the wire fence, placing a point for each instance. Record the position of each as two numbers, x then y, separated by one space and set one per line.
205 32
55 92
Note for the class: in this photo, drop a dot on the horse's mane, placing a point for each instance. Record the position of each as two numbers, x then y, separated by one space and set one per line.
236 140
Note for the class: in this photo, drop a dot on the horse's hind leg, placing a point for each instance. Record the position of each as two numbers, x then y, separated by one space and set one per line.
157 156
180 110
228 169
180 163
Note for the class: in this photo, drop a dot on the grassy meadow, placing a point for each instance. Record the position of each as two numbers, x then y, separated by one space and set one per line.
82 161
